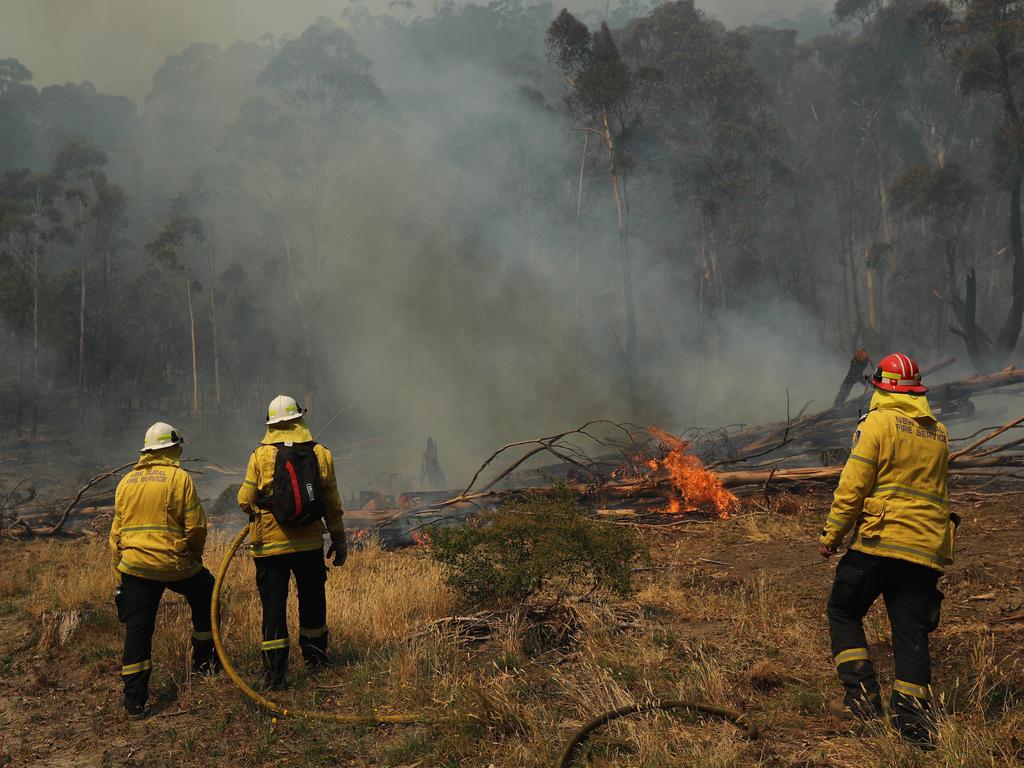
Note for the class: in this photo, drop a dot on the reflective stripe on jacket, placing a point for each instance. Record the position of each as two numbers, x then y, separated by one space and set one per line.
268 536
159 527
892 492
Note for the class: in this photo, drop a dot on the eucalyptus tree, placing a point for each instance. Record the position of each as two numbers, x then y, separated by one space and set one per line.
718 131
984 39
78 169
174 248
317 93
18 100
606 99
29 223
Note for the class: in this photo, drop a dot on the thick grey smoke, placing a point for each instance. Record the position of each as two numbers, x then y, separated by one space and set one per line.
118 44
455 304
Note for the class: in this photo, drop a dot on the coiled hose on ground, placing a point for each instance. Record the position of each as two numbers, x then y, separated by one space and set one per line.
564 760
571 746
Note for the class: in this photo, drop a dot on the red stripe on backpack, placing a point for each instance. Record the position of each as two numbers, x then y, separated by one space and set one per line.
295 490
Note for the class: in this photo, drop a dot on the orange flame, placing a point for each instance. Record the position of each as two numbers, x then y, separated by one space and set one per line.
359 535
695 486
421 538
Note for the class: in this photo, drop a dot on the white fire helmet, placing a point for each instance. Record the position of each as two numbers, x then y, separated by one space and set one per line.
162 435
283 408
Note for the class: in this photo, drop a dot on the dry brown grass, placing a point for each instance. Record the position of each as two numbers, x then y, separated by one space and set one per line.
734 634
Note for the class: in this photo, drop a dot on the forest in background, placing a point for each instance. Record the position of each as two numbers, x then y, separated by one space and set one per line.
500 219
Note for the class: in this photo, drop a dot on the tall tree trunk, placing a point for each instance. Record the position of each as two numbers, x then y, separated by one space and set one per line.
979 348
213 326
885 217
629 349
18 421
81 308
619 189
579 219
618 182
872 290
195 364
856 319
1010 332
35 337
949 247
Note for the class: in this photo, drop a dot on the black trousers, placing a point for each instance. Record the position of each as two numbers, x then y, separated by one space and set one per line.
273 573
137 601
912 601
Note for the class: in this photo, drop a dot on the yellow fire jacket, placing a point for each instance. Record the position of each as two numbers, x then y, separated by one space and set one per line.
159 528
269 537
892 492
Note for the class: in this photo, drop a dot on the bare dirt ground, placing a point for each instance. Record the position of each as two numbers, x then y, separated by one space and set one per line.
729 612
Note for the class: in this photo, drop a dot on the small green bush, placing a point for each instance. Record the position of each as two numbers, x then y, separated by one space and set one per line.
539 544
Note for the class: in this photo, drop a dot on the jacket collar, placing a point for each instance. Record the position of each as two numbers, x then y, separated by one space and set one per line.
914 406
288 432
169 457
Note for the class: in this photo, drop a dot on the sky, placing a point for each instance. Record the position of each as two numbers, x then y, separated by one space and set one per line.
119 44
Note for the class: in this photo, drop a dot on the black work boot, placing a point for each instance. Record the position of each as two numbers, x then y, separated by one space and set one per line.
275 666
205 660
865 708
134 709
314 652
136 693
913 719
862 697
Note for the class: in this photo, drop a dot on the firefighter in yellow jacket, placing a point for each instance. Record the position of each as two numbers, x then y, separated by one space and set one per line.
157 539
289 469
892 500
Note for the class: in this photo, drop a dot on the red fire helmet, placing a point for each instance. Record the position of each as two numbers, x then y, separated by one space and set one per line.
899 373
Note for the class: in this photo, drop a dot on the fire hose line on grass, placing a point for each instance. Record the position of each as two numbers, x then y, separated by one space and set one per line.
564 760
263 701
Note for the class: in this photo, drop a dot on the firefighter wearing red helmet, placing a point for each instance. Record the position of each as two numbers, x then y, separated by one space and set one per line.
892 499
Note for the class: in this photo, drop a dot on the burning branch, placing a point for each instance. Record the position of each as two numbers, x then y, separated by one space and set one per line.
692 483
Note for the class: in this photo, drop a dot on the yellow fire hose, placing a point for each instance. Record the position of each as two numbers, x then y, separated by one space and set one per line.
564 760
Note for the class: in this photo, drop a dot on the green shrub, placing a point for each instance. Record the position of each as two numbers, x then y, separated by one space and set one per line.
539 544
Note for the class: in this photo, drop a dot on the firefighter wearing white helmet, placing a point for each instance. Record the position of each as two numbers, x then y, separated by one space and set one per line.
161 435
290 492
157 539
283 409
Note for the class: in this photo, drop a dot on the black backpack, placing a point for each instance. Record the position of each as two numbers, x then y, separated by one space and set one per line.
296 498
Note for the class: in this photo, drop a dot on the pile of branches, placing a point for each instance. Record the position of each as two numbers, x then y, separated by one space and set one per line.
22 514
611 461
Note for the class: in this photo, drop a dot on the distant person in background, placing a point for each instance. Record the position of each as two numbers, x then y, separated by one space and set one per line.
289 491
157 540
892 495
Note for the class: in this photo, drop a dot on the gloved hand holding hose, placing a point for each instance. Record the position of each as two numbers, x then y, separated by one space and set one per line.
339 549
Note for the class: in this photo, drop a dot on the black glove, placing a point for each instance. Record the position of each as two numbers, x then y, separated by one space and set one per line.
339 549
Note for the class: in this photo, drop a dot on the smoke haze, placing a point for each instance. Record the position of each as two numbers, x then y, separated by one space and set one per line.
428 227
118 44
